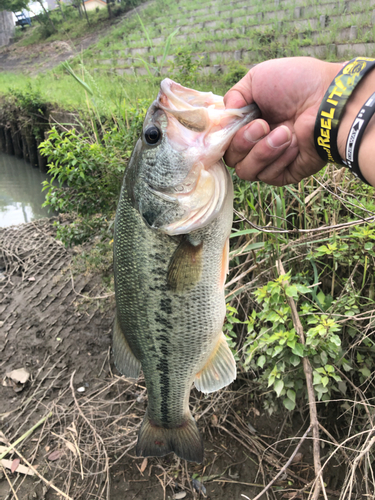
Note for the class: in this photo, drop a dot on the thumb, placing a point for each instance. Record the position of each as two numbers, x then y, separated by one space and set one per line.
239 95
234 99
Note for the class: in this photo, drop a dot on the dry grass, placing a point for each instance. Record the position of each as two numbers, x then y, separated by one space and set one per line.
93 431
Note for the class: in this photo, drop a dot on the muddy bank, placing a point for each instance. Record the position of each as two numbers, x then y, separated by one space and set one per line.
22 131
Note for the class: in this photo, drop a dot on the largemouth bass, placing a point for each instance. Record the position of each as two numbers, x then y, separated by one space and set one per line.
171 251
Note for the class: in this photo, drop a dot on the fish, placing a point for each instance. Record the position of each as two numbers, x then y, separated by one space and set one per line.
171 258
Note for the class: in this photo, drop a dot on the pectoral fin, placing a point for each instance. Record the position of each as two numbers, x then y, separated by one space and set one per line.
185 267
125 361
219 371
224 264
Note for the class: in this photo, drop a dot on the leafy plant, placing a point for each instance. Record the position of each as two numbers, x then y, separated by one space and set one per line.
235 73
274 349
30 100
185 67
86 172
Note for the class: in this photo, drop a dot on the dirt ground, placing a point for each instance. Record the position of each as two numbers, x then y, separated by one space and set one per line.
57 326
46 55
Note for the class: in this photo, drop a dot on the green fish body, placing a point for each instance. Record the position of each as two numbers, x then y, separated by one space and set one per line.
171 249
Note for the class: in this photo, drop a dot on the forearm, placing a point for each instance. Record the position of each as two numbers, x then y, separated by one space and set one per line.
366 158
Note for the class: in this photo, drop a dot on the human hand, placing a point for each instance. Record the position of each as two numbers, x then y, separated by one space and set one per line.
279 149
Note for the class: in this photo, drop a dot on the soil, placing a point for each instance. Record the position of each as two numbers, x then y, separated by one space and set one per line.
56 324
43 56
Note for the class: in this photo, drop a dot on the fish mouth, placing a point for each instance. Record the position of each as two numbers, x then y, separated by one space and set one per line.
200 128
200 120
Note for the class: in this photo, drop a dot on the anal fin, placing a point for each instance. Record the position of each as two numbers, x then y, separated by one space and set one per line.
125 361
220 369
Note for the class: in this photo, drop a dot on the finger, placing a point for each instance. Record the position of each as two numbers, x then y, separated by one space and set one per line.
291 167
244 141
282 171
264 153
239 95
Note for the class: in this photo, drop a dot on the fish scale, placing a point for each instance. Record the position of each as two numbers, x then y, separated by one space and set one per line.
169 272
178 324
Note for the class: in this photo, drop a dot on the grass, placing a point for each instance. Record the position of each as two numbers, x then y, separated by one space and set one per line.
60 89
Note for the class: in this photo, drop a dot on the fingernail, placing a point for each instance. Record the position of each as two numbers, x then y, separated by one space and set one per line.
279 137
255 131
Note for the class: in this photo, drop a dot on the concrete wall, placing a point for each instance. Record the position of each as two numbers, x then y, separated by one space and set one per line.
7 27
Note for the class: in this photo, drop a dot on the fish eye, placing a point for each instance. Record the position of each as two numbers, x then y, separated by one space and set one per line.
152 135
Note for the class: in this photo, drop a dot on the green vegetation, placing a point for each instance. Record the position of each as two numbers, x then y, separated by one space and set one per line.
62 91
89 165
330 278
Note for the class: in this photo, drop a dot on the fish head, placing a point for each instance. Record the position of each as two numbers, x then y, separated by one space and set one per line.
180 182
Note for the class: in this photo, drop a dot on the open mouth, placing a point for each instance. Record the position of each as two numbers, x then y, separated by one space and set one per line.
199 119
200 128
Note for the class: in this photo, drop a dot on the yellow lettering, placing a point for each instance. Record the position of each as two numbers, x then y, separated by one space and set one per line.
335 91
324 133
341 85
322 142
330 157
325 123
331 101
330 114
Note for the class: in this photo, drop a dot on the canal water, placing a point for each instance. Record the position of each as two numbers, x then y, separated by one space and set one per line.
21 196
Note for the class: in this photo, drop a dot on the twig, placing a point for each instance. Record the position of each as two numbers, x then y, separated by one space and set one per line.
314 423
283 469
48 483
335 441
349 482
94 431
9 481
255 451
24 436
85 296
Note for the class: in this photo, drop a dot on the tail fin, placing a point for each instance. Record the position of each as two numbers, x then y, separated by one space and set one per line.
185 441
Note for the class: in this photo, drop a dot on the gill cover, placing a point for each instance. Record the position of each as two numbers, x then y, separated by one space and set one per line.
182 181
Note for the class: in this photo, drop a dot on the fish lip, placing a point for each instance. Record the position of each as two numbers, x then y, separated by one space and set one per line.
170 90
167 84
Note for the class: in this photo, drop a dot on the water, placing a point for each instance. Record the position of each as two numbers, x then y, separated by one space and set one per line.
21 196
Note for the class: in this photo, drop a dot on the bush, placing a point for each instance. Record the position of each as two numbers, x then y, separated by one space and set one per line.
86 172
235 73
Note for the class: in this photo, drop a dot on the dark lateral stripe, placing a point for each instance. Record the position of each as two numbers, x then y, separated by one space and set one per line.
163 369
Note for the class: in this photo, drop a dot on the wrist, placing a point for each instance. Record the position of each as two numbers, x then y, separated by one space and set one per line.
346 108
366 148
